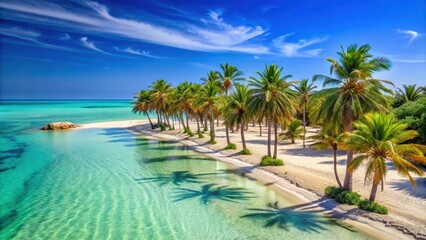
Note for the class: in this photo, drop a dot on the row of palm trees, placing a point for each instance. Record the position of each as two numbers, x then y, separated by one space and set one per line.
340 109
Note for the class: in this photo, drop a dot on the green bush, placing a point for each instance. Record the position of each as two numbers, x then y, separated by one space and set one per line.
342 195
350 198
162 127
372 206
245 151
212 142
231 146
269 161
333 191
200 134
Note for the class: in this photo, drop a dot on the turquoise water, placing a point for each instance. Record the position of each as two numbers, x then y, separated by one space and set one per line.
111 184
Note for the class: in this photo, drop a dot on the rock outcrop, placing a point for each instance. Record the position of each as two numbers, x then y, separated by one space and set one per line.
59 126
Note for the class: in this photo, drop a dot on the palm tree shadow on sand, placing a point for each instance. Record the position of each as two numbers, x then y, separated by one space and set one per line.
177 178
293 217
211 192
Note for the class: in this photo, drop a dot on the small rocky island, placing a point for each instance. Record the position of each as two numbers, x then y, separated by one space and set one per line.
59 126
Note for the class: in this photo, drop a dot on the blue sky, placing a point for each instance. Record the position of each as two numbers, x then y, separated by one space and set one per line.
111 49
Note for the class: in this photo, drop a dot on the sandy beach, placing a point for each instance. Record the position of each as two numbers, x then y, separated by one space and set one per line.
305 175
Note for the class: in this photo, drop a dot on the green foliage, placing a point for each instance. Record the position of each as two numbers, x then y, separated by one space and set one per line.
414 114
333 191
200 134
231 146
341 195
350 198
294 130
372 207
162 127
212 142
245 151
269 161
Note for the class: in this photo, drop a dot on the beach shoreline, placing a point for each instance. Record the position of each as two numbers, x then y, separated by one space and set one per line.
375 225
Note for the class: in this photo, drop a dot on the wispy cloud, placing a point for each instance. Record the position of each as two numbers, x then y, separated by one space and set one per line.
28 35
92 17
65 36
201 65
136 52
408 60
412 35
297 49
91 45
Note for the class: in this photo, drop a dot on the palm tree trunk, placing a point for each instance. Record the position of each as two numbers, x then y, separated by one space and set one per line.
304 125
181 120
211 125
373 191
254 123
260 128
227 134
292 140
168 121
187 118
217 121
243 139
350 156
173 122
198 124
269 136
149 119
158 118
335 167
206 127
276 139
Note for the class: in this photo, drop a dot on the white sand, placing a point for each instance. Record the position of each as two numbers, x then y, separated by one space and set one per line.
311 170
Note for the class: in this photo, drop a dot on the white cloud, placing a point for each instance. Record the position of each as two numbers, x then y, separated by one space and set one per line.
296 49
94 18
136 52
65 36
412 35
91 45
256 57
408 60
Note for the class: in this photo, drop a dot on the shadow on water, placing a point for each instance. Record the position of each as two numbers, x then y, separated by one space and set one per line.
211 192
7 219
301 217
178 177
172 158
405 186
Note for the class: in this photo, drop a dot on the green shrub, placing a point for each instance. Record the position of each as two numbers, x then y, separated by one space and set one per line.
200 134
333 191
245 151
372 206
269 161
162 127
350 198
212 142
231 146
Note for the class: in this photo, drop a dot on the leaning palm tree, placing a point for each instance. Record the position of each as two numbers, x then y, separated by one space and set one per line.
236 110
272 99
229 75
353 91
208 98
142 104
379 139
294 130
183 98
329 139
410 93
305 91
161 95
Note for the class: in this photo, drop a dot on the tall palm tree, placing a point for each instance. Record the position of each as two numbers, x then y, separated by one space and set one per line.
183 102
272 99
236 111
354 91
208 98
142 104
294 130
329 139
305 91
229 75
378 139
410 93
161 95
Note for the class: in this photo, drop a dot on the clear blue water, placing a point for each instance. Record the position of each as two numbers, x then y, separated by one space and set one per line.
112 184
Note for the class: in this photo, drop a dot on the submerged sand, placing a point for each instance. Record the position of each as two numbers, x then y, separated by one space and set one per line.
305 175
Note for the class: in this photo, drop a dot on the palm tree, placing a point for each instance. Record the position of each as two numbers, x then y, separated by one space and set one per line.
272 99
236 110
378 139
354 91
208 98
142 104
183 98
294 130
305 91
230 74
410 93
328 139
161 95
